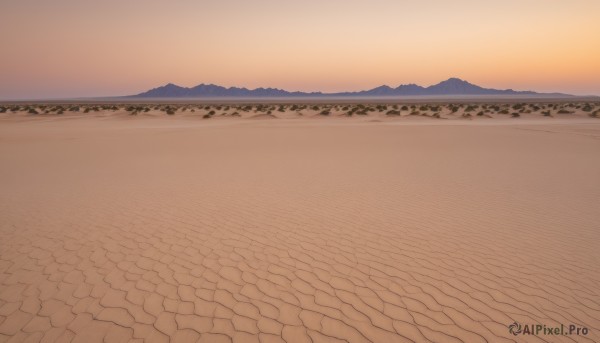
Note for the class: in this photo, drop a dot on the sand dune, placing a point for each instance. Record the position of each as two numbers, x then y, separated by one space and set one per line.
172 228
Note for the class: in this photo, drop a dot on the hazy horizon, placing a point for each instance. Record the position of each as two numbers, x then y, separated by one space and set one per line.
71 49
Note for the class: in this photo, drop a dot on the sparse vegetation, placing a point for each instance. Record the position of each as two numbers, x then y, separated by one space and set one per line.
460 110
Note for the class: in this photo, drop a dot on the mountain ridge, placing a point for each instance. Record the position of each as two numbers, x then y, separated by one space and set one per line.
449 87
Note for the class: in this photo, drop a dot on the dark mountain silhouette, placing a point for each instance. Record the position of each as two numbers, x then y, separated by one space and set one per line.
450 87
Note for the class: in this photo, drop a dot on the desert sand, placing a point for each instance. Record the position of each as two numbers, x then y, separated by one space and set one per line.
293 227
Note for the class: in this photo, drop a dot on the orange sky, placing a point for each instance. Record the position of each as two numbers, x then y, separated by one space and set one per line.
74 48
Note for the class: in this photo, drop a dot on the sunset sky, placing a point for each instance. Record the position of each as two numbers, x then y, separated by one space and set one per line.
79 48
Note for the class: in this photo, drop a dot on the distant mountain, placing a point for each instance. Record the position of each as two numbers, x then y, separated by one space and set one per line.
450 87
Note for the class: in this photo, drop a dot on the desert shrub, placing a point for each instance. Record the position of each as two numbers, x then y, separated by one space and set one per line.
361 112
595 114
32 111
587 108
206 116
470 108
395 106
415 113
325 113
170 111
466 115
504 111
546 114
563 111
393 113
454 109
235 114
404 108
515 115
517 107
480 113
436 115
2 110
281 109
211 113
315 108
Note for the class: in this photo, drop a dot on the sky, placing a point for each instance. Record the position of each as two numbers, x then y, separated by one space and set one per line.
87 48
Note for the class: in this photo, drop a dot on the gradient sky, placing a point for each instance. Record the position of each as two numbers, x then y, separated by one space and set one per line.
77 48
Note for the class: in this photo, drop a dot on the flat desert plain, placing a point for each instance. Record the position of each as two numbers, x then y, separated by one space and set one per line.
163 228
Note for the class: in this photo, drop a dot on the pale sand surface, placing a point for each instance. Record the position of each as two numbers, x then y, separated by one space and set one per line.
115 228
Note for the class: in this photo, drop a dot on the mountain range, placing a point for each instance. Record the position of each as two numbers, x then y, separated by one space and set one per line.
450 87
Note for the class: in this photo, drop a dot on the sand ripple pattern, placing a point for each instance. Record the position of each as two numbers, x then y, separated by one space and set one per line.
253 233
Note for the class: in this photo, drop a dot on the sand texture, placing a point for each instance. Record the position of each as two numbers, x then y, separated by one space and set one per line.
164 228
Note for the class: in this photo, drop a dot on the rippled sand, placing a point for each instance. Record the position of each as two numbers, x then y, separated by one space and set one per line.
114 229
